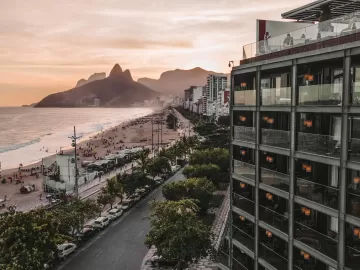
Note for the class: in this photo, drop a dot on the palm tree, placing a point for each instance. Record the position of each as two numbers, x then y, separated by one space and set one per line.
114 188
143 162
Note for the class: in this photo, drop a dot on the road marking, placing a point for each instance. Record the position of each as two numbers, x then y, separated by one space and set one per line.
99 253
140 234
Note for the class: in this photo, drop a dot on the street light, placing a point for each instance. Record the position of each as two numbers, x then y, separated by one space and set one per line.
231 62
74 139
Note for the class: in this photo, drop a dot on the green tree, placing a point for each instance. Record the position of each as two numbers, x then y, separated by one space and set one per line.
217 156
159 166
198 189
171 121
73 216
103 200
143 162
209 171
135 180
28 240
114 188
177 233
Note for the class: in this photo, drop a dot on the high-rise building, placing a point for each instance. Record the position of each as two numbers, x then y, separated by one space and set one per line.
295 124
215 83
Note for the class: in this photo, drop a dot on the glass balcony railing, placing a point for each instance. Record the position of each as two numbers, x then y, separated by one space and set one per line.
322 194
276 138
275 179
244 238
266 252
238 265
353 203
321 94
354 149
276 96
356 93
305 232
245 170
274 219
246 134
319 144
352 253
337 27
223 258
244 204
245 97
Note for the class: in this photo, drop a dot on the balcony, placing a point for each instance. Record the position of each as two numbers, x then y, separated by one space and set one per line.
243 238
322 94
317 193
325 145
223 258
245 170
309 38
276 138
353 202
244 204
354 149
245 97
238 265
274 219
352 253
305 232
276 96
275 179
266 252
246 134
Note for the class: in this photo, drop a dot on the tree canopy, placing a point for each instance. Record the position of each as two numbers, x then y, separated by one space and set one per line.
177 233
217 156
199 189
209 171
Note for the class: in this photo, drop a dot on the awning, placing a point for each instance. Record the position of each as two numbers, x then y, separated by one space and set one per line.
310 11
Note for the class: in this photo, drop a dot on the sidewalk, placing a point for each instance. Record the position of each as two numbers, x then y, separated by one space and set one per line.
217 229
27 202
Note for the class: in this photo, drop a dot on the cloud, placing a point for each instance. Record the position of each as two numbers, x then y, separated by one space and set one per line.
45 44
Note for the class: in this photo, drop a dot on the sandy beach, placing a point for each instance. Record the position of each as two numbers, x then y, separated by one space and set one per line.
134 133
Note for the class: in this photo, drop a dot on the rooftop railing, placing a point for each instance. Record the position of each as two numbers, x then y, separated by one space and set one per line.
337 27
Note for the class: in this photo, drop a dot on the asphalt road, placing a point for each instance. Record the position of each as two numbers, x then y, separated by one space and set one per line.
121 245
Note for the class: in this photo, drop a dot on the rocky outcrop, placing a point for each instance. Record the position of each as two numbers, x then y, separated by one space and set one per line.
94 77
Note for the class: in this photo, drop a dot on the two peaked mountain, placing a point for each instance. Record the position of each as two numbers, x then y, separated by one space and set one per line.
176 81
117 90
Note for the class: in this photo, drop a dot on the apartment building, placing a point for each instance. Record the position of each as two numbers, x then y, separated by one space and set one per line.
295 115
215 83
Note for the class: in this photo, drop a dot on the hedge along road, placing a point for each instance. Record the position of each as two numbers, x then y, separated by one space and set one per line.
121 245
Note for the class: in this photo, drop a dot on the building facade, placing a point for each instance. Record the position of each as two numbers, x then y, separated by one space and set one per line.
295 166
215 83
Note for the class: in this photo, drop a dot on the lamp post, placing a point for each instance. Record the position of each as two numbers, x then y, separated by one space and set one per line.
74 138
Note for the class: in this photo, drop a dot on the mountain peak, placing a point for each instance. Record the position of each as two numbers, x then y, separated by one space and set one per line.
127 74
116 70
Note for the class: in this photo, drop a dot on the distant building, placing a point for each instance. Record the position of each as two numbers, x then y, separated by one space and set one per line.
215 83
96 102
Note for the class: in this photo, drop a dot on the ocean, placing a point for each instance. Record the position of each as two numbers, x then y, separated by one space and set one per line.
26 133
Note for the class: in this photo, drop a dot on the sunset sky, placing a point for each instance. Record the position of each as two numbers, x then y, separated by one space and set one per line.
46 46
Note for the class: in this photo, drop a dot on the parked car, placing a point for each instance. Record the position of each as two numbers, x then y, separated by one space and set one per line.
87 232
159 261
115 213
126 204
101 222
65 250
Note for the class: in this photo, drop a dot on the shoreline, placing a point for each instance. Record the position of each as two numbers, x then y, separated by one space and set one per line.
89 137
136 133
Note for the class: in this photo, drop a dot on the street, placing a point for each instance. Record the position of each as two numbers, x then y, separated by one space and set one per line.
120 246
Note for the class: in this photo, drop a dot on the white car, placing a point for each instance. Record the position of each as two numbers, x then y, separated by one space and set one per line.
65 250
126 204
101 222
114 213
